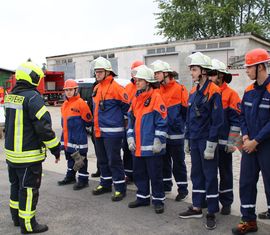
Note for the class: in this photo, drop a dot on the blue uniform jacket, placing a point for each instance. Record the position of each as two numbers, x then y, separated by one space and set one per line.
231 104
147 120
255 112
205 112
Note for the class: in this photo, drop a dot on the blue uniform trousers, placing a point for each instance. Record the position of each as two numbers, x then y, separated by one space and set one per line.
174 162
251 165
203 177
83 174
127 159
226 176
110 163
145 169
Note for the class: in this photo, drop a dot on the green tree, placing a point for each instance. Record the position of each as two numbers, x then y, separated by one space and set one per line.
181 19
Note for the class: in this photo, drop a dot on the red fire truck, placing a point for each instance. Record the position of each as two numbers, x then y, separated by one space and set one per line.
50 87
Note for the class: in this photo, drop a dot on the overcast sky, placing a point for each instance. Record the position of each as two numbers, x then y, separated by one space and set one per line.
36 28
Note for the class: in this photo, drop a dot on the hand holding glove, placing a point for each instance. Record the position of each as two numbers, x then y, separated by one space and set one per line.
157 146
79 160
209 152
131 144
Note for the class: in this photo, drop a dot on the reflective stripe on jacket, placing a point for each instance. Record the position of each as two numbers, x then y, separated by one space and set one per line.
175 97
147 120
231 104
76 115
110 105
255 112
28 127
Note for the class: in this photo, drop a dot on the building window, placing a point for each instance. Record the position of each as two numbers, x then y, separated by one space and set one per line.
224 44
200 46
212 45
151 51
111 55
170 49
160 50
69 60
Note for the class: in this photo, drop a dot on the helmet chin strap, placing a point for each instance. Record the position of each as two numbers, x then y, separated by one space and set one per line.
257 70
76 92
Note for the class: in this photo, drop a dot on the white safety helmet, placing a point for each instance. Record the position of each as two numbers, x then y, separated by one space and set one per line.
201 60
143 72
102 63
161 66
219 66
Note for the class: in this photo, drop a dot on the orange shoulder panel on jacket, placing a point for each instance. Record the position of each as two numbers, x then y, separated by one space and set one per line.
193 89
184 96
211 90
159 105
85 111
268 87
250 87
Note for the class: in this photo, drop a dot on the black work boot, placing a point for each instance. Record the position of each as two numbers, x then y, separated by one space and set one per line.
66 181
159 208
80 185
225 210
137 203
96 174
101 190
39 228
15 216
36 227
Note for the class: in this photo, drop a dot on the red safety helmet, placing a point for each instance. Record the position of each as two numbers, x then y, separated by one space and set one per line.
136 64
70 83
256 56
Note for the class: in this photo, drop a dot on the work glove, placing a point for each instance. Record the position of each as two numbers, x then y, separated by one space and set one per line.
79 160
131 144
209 151
187 146
56 151
233 138
157 146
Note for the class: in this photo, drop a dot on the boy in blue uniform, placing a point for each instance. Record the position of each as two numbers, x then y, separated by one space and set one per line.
255 127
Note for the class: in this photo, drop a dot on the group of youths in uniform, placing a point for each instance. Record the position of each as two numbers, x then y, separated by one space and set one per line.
156 121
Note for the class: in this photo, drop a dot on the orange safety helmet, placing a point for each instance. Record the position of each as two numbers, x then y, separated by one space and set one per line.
136 64
256 56
70 83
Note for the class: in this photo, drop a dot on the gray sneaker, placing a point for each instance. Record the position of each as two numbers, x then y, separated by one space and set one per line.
191 213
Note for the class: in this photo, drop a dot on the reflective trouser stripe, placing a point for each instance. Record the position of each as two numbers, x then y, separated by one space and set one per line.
18 130
28 214
14 204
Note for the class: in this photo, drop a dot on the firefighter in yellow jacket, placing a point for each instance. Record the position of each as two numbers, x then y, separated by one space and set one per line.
28 133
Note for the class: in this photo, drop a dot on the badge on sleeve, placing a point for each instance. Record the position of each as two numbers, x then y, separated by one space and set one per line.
125 96
88 116
162 108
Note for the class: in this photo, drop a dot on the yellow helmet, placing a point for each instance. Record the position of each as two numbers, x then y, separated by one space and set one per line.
29 72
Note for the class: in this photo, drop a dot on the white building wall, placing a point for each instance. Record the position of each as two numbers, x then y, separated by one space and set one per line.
82 66
126 55
125 59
